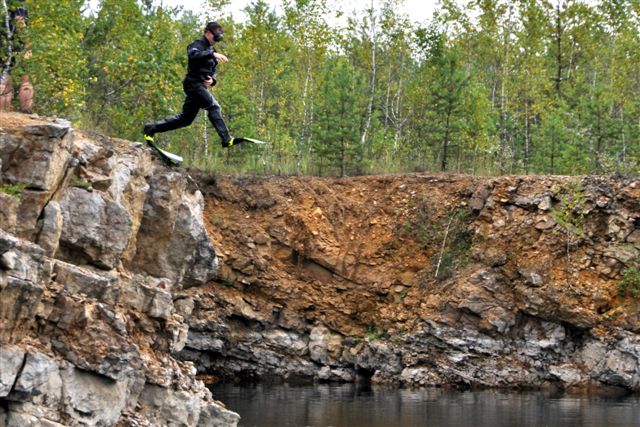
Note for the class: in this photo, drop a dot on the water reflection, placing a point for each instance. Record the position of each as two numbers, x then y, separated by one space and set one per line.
359 406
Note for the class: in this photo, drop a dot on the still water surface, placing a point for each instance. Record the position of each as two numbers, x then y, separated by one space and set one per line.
363 406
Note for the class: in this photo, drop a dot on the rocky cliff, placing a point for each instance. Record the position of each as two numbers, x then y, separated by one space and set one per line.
422 280
98 243
113 298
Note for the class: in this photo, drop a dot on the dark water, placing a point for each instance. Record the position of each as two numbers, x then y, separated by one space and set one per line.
358 406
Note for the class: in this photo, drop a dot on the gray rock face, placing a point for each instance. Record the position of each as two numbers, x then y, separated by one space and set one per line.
92 300
38 156
11 360
84 339
50 228
172 232
94 228
167 407
91 399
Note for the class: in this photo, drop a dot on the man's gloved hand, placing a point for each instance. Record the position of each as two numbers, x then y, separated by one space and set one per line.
220 57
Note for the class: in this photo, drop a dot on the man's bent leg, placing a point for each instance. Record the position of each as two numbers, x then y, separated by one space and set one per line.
215 117
184 119
189 112
209 103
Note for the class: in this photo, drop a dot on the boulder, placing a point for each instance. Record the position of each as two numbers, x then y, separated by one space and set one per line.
95 230
172 233
97 285
91 399
324 346
20 303
11 360
39 382
8 210
171 408
50 226
37 155
32 204
214 415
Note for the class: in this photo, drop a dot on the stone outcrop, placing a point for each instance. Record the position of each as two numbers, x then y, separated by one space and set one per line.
113 299
97 241
335 280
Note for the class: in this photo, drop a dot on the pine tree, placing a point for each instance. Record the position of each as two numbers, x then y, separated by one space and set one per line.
336 140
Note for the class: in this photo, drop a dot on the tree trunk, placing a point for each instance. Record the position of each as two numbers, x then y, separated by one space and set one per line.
363 138
9 35
342 156
527 136
559 32
445 143
503 95
303 131
624 142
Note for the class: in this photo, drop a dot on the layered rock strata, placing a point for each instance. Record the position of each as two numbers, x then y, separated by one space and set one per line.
97 242
422 280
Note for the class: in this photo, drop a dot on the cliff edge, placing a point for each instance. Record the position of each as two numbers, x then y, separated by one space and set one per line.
98 241
113 299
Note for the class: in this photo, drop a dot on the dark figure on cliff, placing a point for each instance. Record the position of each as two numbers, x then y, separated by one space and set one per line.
201 75
13 49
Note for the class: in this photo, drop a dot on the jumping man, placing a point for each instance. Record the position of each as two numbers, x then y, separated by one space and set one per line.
201 74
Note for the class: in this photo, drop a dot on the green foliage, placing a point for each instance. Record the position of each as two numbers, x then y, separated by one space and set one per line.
453 251
78 182
569 213
58 65
373 334
12 189
484 87
228 283
448 237
336 132
419 224
630 284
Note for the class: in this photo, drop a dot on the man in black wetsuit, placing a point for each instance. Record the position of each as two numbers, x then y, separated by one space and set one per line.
201 74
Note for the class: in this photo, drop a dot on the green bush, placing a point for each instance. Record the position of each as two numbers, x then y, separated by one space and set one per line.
630 284
373 334
13 189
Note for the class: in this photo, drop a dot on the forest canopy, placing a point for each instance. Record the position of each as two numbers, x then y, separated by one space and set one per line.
484 87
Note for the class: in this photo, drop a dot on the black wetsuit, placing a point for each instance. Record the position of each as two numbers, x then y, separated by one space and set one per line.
202 65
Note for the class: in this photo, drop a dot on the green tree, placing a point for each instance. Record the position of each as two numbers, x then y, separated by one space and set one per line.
336 140
308 29
58 66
